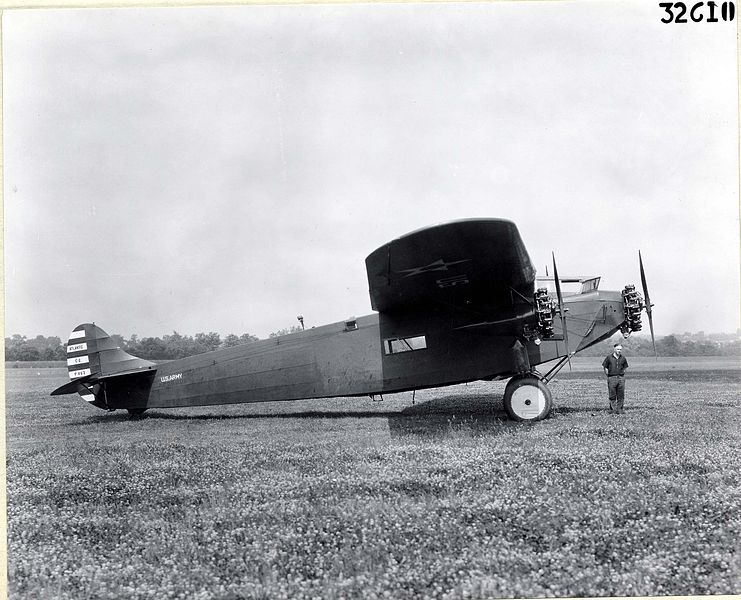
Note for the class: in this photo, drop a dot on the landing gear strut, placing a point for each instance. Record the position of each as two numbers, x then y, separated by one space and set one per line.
527 398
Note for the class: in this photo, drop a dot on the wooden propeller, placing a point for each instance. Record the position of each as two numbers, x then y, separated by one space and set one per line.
649 312
561 309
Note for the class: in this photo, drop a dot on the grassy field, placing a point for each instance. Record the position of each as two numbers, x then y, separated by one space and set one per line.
349 498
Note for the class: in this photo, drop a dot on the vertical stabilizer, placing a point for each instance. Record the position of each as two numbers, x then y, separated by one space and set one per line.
92 358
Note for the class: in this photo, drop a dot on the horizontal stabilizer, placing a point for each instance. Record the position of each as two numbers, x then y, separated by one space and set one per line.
71 387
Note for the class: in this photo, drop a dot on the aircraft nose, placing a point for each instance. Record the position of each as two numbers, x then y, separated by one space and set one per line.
610 317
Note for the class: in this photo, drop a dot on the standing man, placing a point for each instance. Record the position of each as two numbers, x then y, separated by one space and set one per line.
615 365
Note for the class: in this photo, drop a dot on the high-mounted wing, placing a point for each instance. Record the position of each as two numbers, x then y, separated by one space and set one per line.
473 264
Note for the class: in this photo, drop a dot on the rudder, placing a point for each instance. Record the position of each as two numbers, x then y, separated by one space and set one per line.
93 360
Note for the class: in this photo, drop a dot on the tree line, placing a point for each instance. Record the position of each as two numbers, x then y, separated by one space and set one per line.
670 345
175 345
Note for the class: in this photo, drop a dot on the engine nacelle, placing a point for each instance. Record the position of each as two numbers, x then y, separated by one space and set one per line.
545 309
632 305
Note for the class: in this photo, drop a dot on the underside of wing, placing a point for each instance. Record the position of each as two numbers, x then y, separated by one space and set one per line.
476 266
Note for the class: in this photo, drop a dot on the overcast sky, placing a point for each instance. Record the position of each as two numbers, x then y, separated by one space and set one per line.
229 168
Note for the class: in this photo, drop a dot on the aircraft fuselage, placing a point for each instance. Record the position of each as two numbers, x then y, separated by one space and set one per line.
374 354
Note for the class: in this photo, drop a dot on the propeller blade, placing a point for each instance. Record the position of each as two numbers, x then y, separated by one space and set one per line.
653 338
643 283
649 312
561 309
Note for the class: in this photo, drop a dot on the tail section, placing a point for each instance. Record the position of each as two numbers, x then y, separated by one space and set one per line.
83 361
102 373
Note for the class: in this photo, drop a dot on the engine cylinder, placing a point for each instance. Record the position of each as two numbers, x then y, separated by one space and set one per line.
632 305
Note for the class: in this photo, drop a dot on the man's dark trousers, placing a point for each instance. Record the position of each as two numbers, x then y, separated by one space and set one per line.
616 391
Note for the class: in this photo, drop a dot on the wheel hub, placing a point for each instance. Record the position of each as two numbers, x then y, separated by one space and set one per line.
528 402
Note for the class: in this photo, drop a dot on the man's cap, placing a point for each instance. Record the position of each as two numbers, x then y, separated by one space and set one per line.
617 345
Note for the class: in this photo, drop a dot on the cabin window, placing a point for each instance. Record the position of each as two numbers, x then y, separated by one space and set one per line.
396 345
351 325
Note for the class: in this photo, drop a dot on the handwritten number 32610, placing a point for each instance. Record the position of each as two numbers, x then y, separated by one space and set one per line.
696 13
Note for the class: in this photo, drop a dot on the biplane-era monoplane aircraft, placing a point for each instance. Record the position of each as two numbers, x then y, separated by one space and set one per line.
454 303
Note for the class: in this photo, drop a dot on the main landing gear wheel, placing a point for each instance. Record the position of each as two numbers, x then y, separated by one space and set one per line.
527 398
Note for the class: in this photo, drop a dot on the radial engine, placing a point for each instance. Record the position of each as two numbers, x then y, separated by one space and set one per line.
633 305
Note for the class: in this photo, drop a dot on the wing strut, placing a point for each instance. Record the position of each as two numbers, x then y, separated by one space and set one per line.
556 368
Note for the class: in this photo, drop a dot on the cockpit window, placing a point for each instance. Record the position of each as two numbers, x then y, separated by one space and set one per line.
589 285
570 286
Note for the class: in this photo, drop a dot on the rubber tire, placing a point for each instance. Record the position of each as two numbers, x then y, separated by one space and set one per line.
527 398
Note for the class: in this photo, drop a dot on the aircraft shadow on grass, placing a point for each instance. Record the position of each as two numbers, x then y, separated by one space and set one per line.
566 410
438 417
